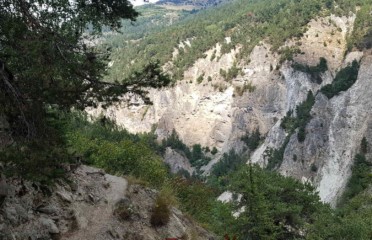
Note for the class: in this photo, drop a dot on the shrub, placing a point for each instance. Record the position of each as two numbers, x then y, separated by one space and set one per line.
106 146
214 151
364 146
301 135
196 156
313 71
360 178
252 140
344 79
290 124
123 210
287 53
229 163
160 212
314 168
200 78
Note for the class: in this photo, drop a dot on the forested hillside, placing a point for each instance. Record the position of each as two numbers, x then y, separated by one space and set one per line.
246 22
267 121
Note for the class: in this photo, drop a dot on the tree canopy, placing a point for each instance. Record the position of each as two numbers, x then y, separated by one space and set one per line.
48 59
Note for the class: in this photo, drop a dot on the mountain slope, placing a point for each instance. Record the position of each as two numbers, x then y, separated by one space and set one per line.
213 107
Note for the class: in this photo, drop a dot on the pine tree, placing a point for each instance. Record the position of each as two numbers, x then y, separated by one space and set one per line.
48 59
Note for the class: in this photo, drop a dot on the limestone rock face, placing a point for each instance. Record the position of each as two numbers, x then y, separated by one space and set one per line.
333 137
86 207
217 113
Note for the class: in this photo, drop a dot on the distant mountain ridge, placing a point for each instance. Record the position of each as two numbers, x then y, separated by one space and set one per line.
199 3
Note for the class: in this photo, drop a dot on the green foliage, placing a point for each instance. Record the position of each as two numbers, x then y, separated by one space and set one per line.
39 159
46 61
287 53
247 86
199 200
313 71
344 79
33 161
200 78
196 155
214 151
352 221
229 163
303 117
290 124
46 64
107 146
276 207
246 22
361 178
252 140
231 73
275 157
160 212
361 37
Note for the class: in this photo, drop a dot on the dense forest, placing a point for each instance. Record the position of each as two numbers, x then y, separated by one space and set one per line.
246 22
50 74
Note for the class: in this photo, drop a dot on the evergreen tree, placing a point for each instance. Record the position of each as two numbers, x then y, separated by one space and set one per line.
48 59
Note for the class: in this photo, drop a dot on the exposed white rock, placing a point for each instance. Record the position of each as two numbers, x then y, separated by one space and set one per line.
225 197
177 161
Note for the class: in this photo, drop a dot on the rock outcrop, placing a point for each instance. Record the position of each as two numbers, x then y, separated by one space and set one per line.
90 204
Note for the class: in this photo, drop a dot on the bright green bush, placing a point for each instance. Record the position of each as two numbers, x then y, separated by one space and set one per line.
107 146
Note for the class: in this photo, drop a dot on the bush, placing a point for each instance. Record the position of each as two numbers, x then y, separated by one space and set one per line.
344 79
104 145
290 124
364 146
247 86
123 210
301 135
287 53
196 156
360 178
314 168
214 151
37 160
252 140
229 163
313 71
160 212
200 79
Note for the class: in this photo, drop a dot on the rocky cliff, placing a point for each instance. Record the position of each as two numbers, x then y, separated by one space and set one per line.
217 113
88 204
